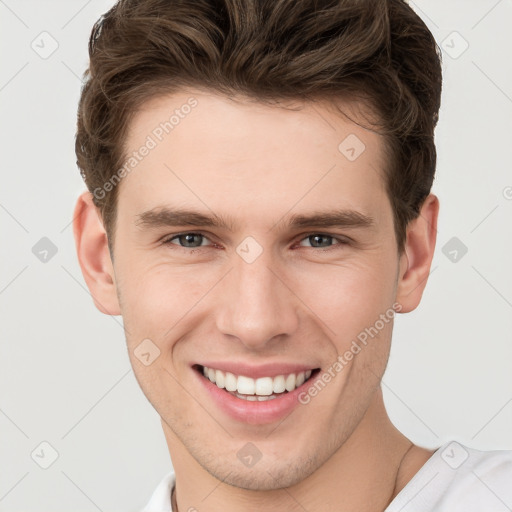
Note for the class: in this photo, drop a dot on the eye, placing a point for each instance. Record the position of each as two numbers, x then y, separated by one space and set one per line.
187 240
194 240
317 240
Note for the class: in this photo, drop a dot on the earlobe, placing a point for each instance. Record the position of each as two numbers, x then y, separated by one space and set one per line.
93 255
417 258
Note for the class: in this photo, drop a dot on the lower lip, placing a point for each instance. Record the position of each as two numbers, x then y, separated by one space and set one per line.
255 412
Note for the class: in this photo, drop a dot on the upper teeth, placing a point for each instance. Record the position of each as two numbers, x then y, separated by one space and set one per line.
263 386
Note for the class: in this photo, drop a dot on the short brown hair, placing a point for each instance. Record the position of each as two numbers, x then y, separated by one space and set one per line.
377 51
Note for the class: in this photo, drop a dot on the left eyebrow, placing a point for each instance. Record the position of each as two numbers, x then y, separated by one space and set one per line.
336 218
170 217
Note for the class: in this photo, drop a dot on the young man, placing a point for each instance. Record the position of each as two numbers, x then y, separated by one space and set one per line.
258 209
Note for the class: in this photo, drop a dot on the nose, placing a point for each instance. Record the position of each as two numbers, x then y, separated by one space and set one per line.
256 305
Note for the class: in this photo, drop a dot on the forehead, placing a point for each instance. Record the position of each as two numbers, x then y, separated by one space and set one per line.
195 148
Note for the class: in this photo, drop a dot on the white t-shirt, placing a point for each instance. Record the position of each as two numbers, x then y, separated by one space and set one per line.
455 479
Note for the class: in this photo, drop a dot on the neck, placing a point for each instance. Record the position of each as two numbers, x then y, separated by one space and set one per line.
364 474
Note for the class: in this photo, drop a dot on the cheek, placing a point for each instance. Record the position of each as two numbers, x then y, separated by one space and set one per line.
354 305
155 297
348 297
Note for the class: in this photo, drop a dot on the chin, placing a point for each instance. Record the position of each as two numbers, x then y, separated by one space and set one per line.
266 475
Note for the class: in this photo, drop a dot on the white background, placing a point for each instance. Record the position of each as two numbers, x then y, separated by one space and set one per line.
64 371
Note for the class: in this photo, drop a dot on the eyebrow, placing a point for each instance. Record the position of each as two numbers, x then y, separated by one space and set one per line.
169 217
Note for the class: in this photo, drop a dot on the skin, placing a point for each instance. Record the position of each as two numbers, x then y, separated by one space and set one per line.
296 302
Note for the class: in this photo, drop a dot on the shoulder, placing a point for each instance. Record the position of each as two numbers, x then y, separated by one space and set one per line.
160 500
459 478
481 478
495 463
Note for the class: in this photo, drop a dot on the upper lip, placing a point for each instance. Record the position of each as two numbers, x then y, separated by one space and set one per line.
257 371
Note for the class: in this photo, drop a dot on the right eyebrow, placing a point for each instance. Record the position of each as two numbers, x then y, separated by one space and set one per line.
159 217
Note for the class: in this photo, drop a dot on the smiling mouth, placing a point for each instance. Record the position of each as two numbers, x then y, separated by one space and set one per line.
260 389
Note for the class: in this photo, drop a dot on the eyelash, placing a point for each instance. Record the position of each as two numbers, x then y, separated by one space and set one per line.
168 241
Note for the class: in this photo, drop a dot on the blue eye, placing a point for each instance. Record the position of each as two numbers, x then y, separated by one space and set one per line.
193 240
187 239
316 236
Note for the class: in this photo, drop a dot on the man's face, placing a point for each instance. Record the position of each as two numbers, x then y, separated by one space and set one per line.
259 297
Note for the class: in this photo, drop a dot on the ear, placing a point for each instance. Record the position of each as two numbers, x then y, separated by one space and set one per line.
416 260
94 256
